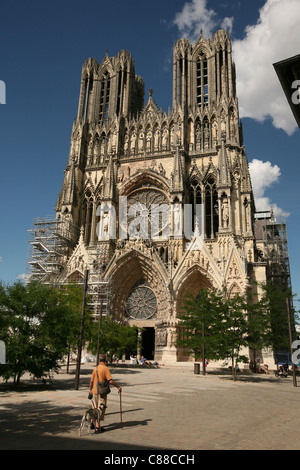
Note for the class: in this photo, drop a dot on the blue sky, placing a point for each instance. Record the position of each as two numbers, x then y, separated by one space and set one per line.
43 47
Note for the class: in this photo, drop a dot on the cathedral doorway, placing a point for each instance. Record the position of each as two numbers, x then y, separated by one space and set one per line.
148 343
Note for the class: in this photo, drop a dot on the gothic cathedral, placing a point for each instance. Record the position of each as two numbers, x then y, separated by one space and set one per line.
162 202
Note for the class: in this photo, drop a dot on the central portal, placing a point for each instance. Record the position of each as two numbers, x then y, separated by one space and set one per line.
148 343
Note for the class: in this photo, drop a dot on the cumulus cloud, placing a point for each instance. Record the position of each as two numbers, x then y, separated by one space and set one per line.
274 37
263 176
195 16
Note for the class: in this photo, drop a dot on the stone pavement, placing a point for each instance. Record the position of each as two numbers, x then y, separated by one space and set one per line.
164 408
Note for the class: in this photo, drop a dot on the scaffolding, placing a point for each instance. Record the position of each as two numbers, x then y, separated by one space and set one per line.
271 234
49 247
99 289
51 244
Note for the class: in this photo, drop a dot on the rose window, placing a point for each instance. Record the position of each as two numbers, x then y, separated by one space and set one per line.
141 303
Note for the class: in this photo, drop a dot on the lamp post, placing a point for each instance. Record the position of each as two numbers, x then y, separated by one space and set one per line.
86 275
99 332
291 340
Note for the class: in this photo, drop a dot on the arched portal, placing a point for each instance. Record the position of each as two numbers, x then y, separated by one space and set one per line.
140 296
191 283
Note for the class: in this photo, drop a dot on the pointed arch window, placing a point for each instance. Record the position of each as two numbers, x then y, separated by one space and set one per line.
86 215
88 88
104 98
122 84
202 80
182 79
211 208
195 198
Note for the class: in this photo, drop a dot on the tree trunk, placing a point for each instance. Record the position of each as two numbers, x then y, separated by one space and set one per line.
233 370
203 360
68 360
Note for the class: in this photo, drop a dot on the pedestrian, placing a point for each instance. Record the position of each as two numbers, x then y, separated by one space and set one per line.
101 374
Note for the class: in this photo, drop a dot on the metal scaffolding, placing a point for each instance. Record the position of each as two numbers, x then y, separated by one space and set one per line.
50 246
99 289
51 243
271 232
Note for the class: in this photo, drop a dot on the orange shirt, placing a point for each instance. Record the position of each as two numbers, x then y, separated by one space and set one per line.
103 373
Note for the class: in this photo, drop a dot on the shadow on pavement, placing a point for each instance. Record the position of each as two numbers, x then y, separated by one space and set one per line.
40 425
61 381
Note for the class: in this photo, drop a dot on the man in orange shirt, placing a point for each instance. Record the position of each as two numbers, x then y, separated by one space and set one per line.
101 374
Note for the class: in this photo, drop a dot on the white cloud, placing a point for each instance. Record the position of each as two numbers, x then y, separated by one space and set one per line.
1 259
23 277
274 37
263 176
195 16
227 24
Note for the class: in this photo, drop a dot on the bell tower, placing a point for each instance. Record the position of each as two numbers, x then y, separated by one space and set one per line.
110 92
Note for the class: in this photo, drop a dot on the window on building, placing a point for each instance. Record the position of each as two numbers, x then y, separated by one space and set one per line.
211 208
104 98
195 200
202 80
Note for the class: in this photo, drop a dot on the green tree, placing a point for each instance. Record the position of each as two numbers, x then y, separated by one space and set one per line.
200 324
216 327
72 298
273 307
114 338
37 324
234 330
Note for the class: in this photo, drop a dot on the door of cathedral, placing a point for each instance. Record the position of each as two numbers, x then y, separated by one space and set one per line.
148 343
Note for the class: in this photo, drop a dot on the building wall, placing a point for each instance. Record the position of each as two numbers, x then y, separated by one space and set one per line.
193 155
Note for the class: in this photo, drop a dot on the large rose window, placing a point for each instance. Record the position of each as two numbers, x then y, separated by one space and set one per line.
141 303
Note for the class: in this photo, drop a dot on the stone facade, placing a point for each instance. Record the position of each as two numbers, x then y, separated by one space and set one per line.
191 157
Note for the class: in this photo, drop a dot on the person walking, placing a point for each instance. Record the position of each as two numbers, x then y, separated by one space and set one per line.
101 374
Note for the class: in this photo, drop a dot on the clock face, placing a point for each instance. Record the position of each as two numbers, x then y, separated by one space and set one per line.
141 303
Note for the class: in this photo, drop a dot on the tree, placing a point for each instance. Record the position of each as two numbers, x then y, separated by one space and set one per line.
73 295
200 324
37 324
234 330
274 301
280 326
216 326
114 337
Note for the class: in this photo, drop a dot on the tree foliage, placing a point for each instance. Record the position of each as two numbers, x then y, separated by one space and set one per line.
37 323
216 326
114 338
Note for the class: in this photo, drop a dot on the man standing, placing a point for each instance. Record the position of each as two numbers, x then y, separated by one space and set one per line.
101 374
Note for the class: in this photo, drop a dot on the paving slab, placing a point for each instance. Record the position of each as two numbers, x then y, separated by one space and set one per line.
165 408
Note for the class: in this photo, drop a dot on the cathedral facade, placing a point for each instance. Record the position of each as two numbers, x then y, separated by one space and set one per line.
162 201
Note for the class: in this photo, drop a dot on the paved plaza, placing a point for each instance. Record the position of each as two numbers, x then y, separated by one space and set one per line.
168 408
